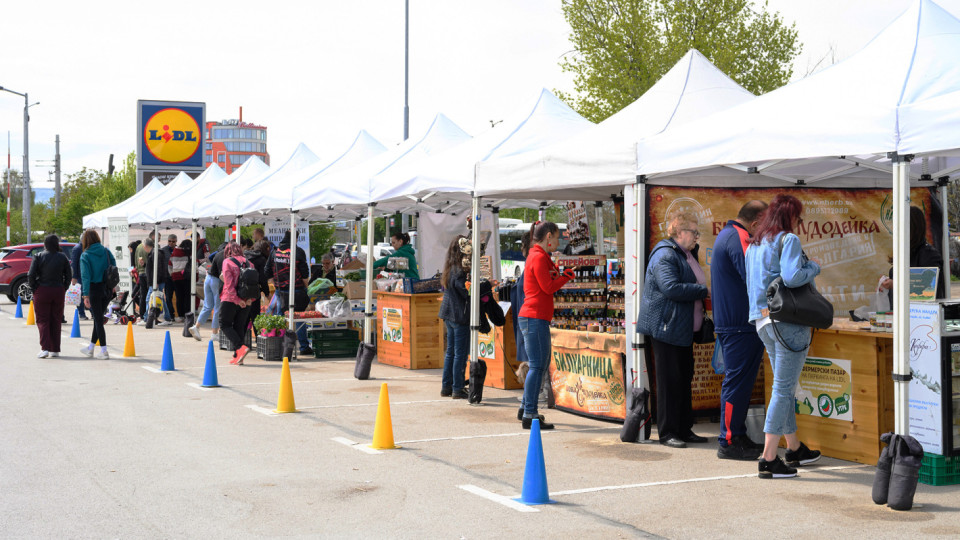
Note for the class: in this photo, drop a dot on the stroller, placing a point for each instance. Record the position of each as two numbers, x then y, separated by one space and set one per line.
122 308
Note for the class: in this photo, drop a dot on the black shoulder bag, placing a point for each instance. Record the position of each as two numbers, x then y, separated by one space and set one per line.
803 305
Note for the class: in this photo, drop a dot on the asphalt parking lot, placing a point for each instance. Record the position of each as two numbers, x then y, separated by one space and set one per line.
107 448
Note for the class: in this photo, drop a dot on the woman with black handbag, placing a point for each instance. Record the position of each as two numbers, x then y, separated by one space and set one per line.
672 314
776 253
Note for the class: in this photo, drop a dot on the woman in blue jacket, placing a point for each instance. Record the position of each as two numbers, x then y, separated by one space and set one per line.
776 251
93 263
671 310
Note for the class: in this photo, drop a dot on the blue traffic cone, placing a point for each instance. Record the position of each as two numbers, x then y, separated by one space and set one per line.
75 332
210 371
535 473
19 313
166 361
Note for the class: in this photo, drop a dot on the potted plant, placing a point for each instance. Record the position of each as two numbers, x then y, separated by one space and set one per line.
270 332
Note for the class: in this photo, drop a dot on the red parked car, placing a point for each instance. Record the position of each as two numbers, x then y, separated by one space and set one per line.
14 265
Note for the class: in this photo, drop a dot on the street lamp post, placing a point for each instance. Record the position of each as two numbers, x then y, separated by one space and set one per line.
27 199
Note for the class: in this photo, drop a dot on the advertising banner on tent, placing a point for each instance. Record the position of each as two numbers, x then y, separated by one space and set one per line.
119 238
825 389
587 373
276 229
926 388
578 229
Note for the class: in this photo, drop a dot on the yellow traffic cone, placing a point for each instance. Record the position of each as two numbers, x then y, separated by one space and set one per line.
129 350
31 318
285 402
383 429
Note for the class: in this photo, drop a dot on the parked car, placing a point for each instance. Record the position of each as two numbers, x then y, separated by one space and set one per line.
338 250
14 265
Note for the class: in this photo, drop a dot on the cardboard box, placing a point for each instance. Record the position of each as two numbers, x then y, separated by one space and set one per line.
355 264
356 290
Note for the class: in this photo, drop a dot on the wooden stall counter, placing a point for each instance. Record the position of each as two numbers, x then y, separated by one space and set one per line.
845 395
410 335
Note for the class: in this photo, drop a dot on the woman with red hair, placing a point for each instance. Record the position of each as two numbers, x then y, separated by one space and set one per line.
776 251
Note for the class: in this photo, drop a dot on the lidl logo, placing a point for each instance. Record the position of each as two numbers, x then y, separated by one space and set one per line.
171 135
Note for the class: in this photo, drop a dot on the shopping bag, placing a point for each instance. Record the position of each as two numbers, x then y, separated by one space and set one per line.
72 297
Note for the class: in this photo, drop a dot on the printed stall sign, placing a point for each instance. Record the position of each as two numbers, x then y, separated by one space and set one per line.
825 389
578 230
392 325
926 388
849 230
119 237
486 344
587 373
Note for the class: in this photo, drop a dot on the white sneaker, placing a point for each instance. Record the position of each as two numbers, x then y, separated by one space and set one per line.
165 323
103 354
54 355
142 322
43 354
86 350
178 319
195 332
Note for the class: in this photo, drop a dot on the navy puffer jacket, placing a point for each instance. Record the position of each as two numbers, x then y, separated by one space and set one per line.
669 291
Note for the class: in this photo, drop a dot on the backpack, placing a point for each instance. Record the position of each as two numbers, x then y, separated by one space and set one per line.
111 275
248 282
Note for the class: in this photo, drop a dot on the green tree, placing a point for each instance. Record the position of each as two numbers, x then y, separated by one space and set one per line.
623 47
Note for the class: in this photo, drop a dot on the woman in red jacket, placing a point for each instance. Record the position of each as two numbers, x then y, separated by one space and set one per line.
541 279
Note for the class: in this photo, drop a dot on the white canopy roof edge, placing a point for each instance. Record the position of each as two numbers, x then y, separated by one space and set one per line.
346 193
452 172
146 211
99 219
585 166
211 199
278 192
180 208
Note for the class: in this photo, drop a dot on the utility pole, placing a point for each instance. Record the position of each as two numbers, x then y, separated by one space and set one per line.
8 188
406 70
56 186
27 198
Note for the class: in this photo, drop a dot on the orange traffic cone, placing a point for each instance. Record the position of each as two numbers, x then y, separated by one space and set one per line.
285 402
383 428
129 350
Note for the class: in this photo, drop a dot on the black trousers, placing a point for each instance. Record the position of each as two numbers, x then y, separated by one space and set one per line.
674 367
142 298
233 322
182 288
168 290
98 308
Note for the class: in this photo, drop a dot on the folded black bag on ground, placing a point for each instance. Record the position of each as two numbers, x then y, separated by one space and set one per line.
365 355
638 416
290 345
904 472
188 320
478 374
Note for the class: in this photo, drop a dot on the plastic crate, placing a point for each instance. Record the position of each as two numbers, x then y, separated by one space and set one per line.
225 343
271 348
335 343
936 470
417 286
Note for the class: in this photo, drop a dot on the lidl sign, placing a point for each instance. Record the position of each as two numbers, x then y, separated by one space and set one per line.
170 134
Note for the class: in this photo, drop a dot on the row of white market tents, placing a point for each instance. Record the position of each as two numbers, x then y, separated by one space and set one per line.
899 95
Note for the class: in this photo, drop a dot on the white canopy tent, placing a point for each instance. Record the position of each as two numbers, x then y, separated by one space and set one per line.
586 166
900 95
99 219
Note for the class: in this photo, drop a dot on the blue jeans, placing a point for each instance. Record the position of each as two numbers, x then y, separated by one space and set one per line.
536 341
781 413
455 357
211 302
167 316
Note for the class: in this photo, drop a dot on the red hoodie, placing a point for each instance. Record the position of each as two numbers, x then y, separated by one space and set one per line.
541 278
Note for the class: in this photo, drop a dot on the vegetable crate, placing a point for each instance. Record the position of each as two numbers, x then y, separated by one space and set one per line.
225 343
936 470
338 343
417 286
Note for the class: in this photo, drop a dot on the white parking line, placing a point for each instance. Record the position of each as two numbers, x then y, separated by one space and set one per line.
339 380
375 404
356 446
499 499
154 370
262 410
198 387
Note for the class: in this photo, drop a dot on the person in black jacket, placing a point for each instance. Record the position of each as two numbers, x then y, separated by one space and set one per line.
278 269
455 312
922 254
49 277
257 256
212 285
75 267
163 276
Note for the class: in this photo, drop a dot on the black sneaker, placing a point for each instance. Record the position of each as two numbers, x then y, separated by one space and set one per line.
738 451
306 351
527 422
461 394
446 391
802 456
775 469
746 442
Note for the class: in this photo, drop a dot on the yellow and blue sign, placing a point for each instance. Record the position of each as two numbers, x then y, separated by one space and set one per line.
170 134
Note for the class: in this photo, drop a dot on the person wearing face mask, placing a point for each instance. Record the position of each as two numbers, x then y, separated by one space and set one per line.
542 278
671 310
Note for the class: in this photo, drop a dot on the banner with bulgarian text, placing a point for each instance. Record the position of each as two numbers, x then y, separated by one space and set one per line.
587 373
848 230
